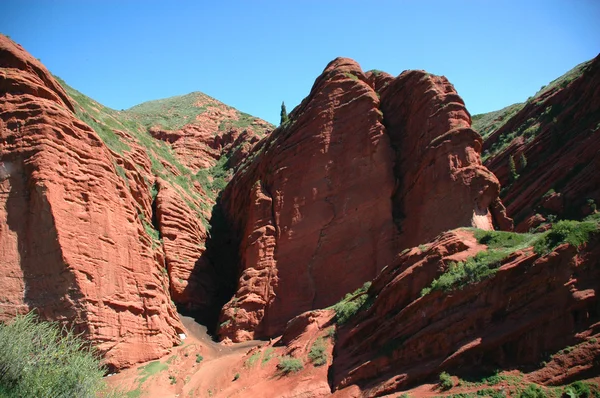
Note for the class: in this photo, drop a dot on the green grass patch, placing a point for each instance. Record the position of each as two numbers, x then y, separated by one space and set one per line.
484 264
268 355
151 369
171 113
463 273
503 240
250 362
351 304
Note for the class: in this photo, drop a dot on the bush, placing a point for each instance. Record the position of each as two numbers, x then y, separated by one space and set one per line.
289 365
501 239
317 353
41 359
445 382
351 304
573 232
578 390
473 270
532 391
199 358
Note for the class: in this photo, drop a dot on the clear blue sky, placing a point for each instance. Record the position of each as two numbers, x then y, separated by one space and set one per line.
253 54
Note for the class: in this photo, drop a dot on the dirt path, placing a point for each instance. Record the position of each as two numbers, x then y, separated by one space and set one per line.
200 367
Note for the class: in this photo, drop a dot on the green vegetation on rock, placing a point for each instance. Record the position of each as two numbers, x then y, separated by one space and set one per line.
351 304
488 123
575 233
501 245
288 364
445 381
317 354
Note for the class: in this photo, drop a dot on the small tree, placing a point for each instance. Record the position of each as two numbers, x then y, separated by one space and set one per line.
513 169
284 116
523 161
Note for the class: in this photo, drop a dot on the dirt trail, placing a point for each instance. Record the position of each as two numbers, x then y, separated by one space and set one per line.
199 367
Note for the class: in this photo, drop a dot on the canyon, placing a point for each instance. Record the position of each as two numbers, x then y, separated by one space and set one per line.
471 243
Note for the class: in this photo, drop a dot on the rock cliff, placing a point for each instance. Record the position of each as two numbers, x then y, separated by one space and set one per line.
74 241
367 165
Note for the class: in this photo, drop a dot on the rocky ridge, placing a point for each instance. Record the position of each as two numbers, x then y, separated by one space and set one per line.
553 142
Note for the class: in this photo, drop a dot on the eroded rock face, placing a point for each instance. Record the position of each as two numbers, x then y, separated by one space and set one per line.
441 181
313 210
73 238
555 148
191 275
328 199
532 307
200 146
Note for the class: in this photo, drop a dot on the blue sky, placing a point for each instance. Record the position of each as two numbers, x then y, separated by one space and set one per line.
253 54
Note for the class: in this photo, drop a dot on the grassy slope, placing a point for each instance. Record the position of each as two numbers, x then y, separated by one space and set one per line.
175 112
488 123
135 123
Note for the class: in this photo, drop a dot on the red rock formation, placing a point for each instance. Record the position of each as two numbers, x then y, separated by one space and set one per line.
199 146
533 306
442 184
73 235
183 235
314 210
558 133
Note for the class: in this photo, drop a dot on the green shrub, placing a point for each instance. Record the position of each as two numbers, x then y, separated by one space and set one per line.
473 270
490 392
317 353
532 391
578 389
288 364
445 381
199 358
575 233
236 376
502 240
41 359
351 304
